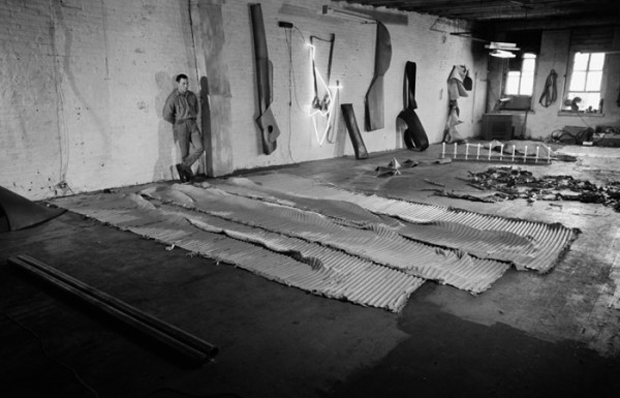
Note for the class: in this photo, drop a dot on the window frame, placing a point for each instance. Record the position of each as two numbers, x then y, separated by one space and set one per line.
565 107
519 102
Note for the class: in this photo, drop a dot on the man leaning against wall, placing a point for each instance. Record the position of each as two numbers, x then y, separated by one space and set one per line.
181 109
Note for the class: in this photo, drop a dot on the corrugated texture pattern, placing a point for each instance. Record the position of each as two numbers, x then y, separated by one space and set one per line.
294 262
526 244
375 243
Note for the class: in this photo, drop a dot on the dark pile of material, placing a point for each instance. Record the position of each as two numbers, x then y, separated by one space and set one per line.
514 183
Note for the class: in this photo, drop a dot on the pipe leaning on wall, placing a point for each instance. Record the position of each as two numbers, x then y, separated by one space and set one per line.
187 346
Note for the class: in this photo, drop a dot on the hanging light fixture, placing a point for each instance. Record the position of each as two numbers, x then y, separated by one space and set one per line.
502 54
502 49
346 14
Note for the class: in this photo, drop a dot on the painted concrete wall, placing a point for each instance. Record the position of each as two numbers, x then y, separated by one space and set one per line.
541 121
85 80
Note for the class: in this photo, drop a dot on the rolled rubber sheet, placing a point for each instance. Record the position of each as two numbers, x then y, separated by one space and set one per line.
414 135
264 81
357 141
374 100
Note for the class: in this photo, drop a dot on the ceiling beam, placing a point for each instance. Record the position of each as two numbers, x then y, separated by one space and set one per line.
479 10
549 24
482 13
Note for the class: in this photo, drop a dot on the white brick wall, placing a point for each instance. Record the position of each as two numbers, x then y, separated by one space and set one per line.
353 64
83 88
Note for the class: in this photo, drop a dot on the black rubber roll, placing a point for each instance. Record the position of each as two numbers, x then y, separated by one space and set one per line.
414 136
264 81
374 100
354 132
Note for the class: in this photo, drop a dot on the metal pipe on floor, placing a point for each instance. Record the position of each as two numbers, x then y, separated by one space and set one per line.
195 350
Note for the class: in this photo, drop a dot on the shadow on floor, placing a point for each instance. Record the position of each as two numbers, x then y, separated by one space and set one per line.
449 357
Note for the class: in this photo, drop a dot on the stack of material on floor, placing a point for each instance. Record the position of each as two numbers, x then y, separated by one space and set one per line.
369 250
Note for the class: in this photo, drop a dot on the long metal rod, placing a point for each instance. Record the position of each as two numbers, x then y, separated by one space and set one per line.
189 346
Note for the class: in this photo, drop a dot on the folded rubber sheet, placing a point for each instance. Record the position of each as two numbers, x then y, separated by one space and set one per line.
414 135
354 132
373 242
300 263
264 81
524 244
374 99
335 243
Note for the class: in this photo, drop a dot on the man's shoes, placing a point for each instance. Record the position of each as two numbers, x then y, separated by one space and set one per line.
182 173
189 174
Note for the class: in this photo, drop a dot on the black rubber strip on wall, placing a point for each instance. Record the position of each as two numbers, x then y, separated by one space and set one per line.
414 135
354 132
374 100
264 81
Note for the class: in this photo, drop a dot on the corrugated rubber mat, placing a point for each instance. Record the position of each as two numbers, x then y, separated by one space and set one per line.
375 242
367 249
290 261
525 244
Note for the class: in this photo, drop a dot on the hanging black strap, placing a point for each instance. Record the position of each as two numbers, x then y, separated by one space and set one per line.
314 69
332 39
414 135
550 92
409 86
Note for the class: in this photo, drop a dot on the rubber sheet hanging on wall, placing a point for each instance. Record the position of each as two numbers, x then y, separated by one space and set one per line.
374 101
264 82
414 136
354 132
456 89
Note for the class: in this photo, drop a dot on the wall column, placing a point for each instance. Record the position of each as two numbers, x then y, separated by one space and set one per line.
209 40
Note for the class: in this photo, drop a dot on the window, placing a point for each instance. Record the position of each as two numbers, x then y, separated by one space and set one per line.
584 90
520 80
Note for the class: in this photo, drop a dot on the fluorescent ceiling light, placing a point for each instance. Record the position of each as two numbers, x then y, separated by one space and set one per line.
500 45
502 54
345 14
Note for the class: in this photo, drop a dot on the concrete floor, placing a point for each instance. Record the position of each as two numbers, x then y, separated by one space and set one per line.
529 335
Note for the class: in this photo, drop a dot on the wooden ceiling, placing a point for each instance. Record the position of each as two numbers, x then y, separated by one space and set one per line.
512 14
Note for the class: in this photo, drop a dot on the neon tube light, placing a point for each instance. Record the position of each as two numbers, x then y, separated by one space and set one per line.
330 101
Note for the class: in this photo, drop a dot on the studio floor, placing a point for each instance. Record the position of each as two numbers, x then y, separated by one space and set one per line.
530 334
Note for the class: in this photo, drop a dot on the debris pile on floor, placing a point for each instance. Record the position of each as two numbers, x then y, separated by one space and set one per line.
515 183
